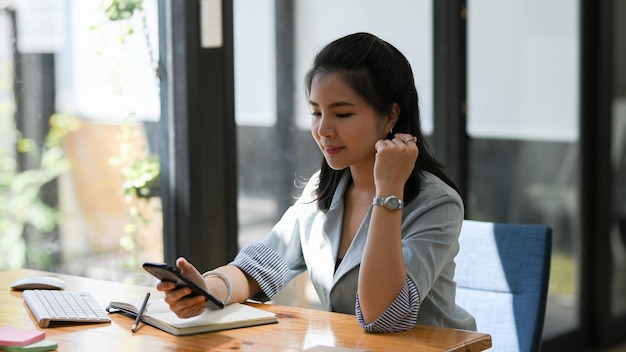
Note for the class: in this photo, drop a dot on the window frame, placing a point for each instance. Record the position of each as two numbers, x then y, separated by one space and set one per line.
197 127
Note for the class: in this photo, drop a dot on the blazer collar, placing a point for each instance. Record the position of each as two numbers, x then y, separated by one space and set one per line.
333 226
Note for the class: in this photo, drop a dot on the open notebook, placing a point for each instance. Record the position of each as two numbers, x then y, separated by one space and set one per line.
159 315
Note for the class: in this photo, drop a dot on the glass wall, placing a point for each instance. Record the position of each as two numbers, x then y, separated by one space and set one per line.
261 160
523 74
618 161
79 99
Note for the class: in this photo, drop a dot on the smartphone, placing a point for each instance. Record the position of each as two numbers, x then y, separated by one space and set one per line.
166 272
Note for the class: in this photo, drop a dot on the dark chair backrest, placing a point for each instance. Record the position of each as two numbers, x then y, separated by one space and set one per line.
502 274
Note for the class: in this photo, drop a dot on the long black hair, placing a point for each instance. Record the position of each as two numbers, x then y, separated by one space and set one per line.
379 73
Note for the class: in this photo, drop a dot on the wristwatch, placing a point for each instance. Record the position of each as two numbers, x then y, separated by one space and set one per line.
391 202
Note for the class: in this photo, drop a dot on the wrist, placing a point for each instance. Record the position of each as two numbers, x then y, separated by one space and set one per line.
224 279
391 189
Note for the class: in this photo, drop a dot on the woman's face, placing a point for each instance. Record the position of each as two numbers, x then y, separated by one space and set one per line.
344 125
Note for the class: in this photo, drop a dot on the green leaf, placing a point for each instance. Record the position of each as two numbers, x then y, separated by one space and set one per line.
123 9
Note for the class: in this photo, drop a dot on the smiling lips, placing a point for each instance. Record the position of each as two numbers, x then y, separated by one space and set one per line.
332 151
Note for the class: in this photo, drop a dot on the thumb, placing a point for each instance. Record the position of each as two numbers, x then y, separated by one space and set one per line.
189 270
185 267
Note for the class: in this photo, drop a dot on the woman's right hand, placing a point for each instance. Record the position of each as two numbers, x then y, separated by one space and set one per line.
178 300
395 160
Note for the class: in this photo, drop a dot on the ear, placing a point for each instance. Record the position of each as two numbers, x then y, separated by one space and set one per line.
393 116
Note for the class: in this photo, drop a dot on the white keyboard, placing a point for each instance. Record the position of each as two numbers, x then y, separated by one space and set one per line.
64 306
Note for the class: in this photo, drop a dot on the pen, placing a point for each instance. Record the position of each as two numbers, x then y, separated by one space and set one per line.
141 310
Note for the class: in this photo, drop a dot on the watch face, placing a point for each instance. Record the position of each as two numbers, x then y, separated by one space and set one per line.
392 203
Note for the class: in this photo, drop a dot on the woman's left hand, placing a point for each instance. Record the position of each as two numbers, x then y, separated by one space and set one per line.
394 163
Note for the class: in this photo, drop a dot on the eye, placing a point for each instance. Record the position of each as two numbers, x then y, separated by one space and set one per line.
345 115
316 113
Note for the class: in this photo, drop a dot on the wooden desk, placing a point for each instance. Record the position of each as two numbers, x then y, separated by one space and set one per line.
298 329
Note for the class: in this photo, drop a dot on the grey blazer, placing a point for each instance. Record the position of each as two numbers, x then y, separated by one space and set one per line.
307 239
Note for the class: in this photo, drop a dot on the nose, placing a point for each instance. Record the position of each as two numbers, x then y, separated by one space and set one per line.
323 126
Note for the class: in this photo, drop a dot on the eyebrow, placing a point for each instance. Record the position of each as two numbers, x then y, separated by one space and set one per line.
333 105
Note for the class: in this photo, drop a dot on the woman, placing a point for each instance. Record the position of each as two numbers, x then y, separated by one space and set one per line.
377 227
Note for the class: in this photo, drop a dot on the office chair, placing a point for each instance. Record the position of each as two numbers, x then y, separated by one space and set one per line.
502 273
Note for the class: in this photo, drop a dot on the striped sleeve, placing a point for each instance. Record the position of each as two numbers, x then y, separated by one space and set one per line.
401 315
266 267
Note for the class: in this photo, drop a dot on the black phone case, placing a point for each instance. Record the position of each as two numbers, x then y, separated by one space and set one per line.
166 272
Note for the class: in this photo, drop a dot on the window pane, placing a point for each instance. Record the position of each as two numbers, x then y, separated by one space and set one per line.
255 114
98 70
523 123
405 24
522 77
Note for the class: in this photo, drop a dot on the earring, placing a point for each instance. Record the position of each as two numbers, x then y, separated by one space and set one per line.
390 130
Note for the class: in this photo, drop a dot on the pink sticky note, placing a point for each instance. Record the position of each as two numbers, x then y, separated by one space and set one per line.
12 336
